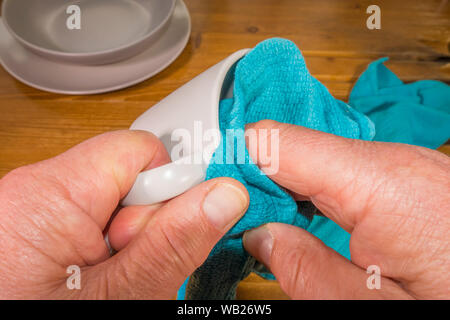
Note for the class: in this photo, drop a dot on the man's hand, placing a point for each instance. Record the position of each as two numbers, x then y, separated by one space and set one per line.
394 199
54 214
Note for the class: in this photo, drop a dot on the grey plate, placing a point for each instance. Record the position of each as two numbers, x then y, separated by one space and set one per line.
67 78
110 30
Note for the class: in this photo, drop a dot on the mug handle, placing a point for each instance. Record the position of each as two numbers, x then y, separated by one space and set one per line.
165 182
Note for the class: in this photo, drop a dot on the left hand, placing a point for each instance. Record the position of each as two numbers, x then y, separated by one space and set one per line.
55 213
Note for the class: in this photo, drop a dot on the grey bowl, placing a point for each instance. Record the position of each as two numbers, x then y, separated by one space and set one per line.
111 30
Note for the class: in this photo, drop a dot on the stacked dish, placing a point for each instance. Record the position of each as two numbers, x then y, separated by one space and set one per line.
90 46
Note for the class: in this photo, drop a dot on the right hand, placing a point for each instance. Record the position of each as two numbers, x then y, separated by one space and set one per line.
394 199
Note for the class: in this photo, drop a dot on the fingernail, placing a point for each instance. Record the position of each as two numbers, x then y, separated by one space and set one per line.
224 205
259 243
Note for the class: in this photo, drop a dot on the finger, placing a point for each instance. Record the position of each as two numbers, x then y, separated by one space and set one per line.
307 269
97 173
348 179
391 197
175 241
128 222
71 197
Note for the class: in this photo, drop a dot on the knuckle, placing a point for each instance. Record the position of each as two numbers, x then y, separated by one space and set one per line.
134 277
15 176
19 187
300 266
174 247
299 279
182 248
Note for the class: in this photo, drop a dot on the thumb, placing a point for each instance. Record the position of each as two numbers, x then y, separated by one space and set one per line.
176 240
307 269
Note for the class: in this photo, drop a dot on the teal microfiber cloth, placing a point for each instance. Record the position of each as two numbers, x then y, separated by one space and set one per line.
272 82
416 113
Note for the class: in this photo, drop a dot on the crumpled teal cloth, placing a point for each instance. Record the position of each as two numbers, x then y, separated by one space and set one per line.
272 82
416 113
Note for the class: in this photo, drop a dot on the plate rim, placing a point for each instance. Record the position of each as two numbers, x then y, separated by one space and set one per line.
109 88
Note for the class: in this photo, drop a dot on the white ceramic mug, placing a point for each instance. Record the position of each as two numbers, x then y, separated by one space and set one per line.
195 103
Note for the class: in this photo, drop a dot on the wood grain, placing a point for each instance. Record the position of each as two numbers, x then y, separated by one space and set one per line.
415 34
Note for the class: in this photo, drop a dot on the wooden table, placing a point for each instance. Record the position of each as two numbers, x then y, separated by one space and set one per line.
332 35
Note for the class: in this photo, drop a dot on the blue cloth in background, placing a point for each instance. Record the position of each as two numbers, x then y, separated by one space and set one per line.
272 82
416 113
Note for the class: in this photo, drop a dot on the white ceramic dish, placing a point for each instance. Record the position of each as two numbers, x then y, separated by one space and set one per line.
67 78
108 30
194 105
